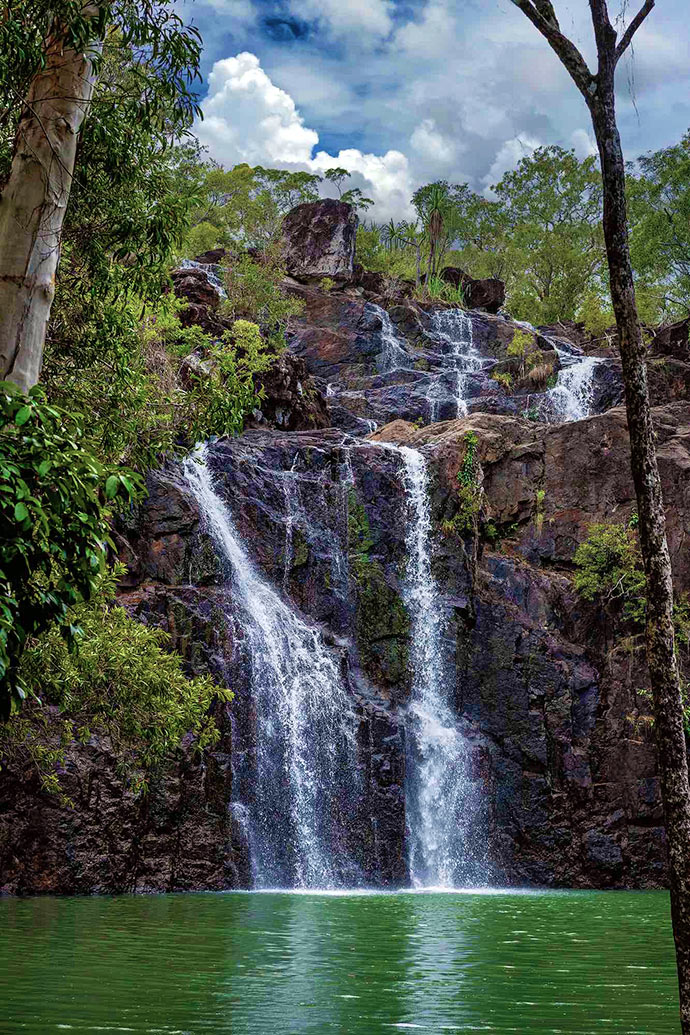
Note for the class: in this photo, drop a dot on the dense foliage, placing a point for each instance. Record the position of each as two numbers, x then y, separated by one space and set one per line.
539 229
54 525
121 681
610 573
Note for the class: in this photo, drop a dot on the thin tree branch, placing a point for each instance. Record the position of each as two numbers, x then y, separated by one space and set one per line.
543 17
627 37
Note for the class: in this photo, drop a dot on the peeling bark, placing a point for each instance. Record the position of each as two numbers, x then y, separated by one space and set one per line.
34 202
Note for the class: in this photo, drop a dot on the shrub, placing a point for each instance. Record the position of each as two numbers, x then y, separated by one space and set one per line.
520 347
119 681
610 570
505 380
469 493
54 526
254 292
225 392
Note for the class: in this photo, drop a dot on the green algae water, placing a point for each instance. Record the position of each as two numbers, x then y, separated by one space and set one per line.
355 964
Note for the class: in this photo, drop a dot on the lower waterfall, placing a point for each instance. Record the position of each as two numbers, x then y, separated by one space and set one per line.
442 800
301 784
305 768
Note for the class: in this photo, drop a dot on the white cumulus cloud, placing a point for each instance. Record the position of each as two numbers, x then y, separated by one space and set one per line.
429 141
247 118
361 18
509 157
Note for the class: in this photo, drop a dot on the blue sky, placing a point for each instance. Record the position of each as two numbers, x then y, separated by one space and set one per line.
405 91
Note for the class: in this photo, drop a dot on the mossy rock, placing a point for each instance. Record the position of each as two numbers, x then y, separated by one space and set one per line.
382 622
382 626
205 567
300 549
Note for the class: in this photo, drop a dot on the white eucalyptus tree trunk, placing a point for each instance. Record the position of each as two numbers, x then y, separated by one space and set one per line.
34 201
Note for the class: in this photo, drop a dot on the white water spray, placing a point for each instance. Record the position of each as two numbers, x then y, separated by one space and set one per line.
454 329
573 395
211 271
441 800
393 355
306 755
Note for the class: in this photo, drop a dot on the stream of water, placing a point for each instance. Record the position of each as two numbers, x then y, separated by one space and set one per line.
441 798
454 329
306 764
572 396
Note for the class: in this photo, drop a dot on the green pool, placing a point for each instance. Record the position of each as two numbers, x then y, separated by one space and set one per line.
355 964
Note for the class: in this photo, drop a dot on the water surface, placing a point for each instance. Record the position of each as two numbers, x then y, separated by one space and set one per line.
355 964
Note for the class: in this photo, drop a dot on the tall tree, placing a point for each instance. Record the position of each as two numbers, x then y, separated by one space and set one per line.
659 203
598 90
50 55
551 209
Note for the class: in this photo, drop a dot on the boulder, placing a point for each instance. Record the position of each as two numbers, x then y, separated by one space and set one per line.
319 241
202 297
672 340
195 286
290 400
213 257
488 294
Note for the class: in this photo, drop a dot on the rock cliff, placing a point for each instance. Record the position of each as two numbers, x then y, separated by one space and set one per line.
549 698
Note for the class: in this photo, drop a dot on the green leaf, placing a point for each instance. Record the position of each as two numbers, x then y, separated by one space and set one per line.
21 512
111 486
22 415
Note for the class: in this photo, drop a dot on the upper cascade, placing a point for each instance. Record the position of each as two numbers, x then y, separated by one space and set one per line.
430 362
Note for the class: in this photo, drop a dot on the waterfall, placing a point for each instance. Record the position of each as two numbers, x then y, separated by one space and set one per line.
291 493
393 355
453 328
441 799
572 397
212 272
305 771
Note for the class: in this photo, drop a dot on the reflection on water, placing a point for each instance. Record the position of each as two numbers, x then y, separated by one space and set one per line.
356 964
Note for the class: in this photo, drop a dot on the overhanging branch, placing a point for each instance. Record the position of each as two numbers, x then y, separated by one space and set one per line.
543 17
627 37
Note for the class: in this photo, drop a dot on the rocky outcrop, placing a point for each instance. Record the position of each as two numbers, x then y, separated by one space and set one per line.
288 398
319 241
553 697
181 836
546 690
488 294
195 285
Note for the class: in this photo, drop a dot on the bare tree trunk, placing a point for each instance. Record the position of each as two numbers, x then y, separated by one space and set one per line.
661 657
599 93
33 204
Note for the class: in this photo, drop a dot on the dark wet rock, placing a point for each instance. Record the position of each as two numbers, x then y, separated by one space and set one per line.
180 836
488 294
672 341
213 257
319 241
203 300
290 399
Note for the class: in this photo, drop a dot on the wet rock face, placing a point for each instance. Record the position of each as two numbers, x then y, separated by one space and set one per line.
202 298
290 399
550 708
551 700
547 699
319 241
